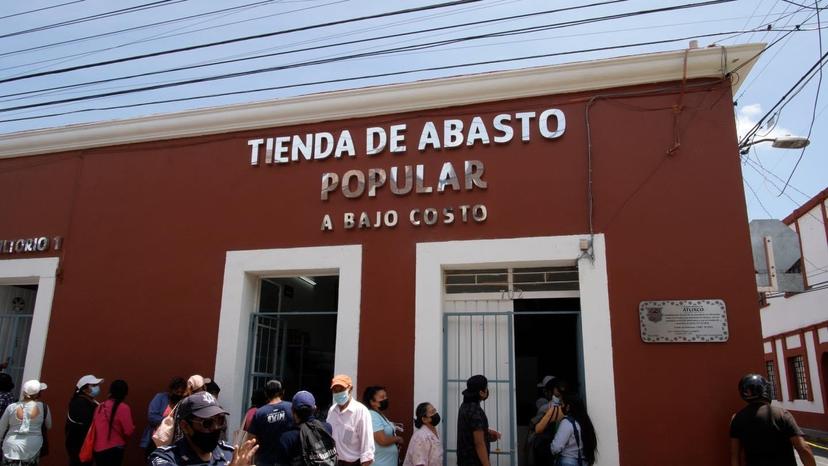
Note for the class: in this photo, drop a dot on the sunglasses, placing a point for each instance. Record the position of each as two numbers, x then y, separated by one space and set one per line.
211 423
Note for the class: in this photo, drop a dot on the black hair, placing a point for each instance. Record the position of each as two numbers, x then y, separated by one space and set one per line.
420 413
212 388
576 409
303 412
6 382
369 393
273 388
258 398
177 383
118 390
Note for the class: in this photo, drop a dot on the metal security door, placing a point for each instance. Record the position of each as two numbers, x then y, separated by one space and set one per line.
478 339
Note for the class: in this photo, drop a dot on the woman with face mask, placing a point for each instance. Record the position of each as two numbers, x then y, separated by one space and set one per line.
113 426
79 415
160 406
25 424
546 421
385 439
425 448
575 442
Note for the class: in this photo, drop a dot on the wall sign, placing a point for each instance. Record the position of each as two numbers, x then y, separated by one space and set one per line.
405 179
30 245
693 321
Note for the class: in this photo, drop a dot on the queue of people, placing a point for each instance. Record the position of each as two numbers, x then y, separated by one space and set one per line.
294 433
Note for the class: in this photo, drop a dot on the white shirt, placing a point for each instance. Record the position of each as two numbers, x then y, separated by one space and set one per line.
352 432
24 437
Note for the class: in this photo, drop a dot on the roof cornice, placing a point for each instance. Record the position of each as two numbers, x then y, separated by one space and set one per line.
389 99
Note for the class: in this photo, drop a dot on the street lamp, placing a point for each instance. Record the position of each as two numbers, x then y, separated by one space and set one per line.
783 142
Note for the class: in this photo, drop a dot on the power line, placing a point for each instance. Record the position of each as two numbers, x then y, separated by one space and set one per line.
421 46
378 75
134 28
109 14
245 38
325 46
813 112
40 9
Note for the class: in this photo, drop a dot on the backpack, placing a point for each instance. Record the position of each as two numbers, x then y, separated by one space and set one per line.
318 447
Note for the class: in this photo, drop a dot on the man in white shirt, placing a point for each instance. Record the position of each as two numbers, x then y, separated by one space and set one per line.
351 424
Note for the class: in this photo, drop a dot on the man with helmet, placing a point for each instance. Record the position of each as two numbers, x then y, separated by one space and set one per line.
765 435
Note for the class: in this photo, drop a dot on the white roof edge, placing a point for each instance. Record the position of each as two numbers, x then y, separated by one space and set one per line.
390 99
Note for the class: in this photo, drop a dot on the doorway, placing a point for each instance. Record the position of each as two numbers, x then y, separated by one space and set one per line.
547 343
16 313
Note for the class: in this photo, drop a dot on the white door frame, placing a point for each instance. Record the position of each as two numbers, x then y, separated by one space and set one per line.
40 272
242 271
433 258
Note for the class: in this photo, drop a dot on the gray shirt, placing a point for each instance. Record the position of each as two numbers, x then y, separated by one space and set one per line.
25 437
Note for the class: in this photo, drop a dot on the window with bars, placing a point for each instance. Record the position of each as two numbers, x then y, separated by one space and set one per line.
799 379
511 279
771 371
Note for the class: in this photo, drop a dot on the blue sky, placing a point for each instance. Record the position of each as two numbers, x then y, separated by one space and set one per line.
764 168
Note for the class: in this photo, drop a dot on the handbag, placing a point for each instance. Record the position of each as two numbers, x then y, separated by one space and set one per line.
44 448
88 447
165 433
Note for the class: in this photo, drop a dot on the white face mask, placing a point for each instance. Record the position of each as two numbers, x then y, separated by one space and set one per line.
341 398
556 401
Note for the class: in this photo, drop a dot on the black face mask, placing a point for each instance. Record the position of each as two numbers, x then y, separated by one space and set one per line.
205 441
383 405
435 420
174 399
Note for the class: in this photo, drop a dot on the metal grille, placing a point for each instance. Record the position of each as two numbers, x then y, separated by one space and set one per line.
511 279
480 343
14 341
771 378
797 364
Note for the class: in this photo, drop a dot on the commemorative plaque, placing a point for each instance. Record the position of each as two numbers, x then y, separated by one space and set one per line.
691 321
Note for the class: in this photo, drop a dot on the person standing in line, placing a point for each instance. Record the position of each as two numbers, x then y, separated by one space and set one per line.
24 422
113 426
6 395
425 448
79 415
269 423
257 400
351 424
196 383
545 422
575 441
212 387
473 432
323 450
201 421
762 434
386 442
161 406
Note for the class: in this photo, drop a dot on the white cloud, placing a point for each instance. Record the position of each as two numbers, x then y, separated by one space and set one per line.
748 115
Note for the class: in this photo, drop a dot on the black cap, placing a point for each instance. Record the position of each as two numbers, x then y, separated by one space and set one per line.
201 404
475 384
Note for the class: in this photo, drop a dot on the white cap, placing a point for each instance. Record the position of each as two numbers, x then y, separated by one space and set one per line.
195 382
546 380
88 379
33 387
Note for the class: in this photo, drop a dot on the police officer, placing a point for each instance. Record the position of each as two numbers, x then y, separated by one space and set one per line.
201 422
766 435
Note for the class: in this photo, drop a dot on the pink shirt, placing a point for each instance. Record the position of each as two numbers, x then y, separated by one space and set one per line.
424 449
122 427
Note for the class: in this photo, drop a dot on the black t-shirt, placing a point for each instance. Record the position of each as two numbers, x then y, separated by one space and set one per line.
268 425
765 432
470 418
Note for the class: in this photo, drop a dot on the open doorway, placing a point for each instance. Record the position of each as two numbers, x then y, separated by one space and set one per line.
293 335
547 343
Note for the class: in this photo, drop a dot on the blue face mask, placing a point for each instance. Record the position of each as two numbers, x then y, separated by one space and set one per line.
341 398
94 391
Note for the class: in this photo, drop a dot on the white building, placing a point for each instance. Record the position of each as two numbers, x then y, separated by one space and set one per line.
795 325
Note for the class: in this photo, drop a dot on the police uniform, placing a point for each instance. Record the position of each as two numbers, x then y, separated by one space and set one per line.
180 454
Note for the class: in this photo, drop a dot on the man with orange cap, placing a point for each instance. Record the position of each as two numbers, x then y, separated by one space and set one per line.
350 421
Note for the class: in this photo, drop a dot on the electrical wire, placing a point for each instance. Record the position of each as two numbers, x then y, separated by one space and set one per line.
245 38
323 46
130 29
40 9
109 14
770 215
813 112
330 81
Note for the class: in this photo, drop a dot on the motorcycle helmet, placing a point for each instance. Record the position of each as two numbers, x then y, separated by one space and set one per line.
754 387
